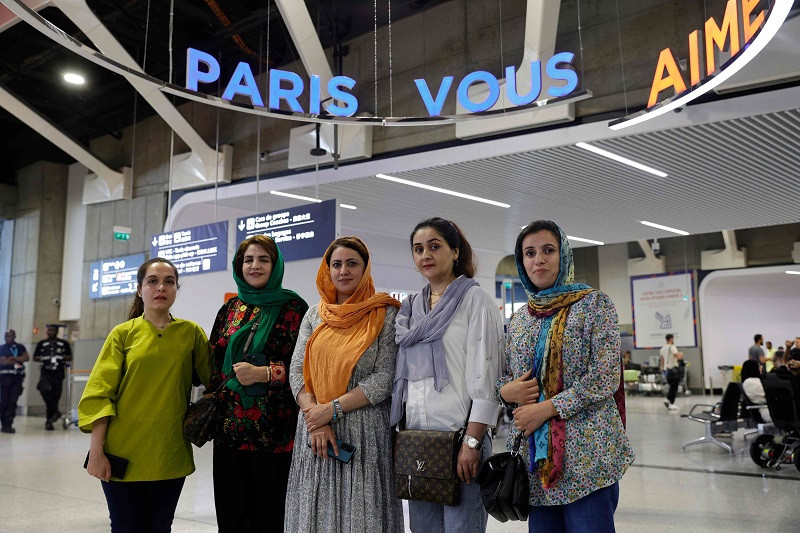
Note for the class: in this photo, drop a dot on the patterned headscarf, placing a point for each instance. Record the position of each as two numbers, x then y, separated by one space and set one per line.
552 306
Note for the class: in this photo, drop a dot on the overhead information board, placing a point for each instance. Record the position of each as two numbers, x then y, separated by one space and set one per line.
114 277
302 232
194 250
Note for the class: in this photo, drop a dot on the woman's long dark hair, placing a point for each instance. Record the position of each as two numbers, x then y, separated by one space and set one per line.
452 234
137 307
750 370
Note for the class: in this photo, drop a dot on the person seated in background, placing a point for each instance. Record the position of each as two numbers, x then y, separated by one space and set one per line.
627 362
753 388
778 360
794 350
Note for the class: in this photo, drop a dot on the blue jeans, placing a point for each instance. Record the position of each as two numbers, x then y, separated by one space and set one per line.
136 506
594 513
469 517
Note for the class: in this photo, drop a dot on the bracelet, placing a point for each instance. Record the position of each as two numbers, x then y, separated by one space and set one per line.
338 412
333 404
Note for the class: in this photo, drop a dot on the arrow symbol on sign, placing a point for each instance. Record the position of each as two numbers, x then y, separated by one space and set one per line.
241 225
155 241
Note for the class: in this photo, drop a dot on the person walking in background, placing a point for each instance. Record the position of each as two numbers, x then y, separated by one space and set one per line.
562 370
673 364
450 340
756 352
253 445
341 375
135 400
12 374
52 352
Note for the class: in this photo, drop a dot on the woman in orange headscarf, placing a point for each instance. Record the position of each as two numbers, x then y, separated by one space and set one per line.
341 375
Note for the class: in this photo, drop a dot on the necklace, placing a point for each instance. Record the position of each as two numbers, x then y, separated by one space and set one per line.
159 326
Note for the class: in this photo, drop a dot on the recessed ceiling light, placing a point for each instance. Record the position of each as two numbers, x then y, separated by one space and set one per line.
439 189
580 239
75 79
348 206
665 228
795 272
620 159
297 196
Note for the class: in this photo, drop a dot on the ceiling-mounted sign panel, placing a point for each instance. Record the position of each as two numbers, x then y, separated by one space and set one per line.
194 250
302 232
114 277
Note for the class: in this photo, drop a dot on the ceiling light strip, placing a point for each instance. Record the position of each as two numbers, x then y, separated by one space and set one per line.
620 159
665 228
439 189
348 206
777 15
297 196
581 239
793 272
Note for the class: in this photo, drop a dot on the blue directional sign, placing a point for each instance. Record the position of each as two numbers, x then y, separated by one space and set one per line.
114 277
194 250
302 232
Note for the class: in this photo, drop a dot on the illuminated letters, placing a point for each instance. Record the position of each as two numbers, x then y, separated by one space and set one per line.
706 43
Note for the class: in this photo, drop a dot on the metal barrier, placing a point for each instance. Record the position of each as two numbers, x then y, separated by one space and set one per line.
73 376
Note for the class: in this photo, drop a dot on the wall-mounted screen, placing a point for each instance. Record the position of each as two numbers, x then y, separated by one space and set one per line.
302 232
194 250
114 277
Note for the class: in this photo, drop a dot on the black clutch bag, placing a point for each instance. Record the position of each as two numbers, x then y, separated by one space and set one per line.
256 359
118 465
201 420
504 485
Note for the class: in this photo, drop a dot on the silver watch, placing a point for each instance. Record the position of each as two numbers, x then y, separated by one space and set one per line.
472 442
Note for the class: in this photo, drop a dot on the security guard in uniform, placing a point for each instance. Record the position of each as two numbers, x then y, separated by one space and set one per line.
12 373
52 353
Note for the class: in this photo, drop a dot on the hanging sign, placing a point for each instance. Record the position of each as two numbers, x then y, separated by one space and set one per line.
301 232
114 277
194 250
747 26
287 87
662 304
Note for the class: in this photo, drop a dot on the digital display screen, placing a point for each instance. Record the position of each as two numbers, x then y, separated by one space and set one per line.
194 250
302 232
114 277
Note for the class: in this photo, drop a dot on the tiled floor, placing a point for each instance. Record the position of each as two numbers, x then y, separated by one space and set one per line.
44 487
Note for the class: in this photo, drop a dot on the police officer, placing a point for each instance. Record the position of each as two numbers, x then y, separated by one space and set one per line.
12 373
52 353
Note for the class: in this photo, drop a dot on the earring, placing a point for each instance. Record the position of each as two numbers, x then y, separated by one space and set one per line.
455 262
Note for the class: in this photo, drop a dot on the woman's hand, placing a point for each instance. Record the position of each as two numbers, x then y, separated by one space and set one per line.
318 416
528 418
468 462
99 466
248 374
522 391
320 439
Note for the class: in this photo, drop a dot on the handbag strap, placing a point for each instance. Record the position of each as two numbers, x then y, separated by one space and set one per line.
517 443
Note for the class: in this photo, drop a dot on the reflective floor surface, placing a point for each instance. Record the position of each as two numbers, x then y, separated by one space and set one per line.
44 487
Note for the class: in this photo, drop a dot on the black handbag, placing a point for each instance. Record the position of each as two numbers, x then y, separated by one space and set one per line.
425 465
202 417
504 484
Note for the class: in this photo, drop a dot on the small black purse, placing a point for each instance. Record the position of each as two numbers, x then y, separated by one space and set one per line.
504 484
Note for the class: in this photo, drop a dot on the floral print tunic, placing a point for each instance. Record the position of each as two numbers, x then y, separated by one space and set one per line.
269 424
597 452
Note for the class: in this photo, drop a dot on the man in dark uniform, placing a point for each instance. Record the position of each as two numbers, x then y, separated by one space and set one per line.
12 372
52 353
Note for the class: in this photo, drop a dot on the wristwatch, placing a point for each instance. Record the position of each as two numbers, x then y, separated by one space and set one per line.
472 443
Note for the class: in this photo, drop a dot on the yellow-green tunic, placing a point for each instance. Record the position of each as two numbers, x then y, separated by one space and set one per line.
142 379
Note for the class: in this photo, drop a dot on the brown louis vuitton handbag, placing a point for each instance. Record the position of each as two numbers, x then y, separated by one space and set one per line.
425 465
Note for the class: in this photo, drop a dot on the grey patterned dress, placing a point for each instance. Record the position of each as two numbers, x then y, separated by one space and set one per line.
325 495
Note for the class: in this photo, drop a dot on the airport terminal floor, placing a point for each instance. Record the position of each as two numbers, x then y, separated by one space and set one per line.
666 489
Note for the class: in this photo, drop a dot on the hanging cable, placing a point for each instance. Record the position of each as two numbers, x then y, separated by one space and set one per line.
375 44
216 147
146 35
621 60
580 41
391 81
171 131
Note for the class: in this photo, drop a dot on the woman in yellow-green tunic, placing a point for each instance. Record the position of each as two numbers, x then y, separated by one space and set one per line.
135 400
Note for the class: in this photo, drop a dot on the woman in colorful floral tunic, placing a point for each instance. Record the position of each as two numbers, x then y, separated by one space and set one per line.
562 369
254 443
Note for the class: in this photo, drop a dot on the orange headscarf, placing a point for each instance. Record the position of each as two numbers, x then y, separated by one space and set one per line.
345 332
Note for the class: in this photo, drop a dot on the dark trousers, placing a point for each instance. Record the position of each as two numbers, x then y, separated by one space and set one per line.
594 513
250 490
10 390
674 379
52 396
142 506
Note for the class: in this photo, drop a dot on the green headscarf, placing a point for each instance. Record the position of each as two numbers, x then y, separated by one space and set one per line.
270 299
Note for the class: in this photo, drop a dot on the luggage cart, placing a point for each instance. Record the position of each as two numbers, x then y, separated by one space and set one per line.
73 376
651 381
